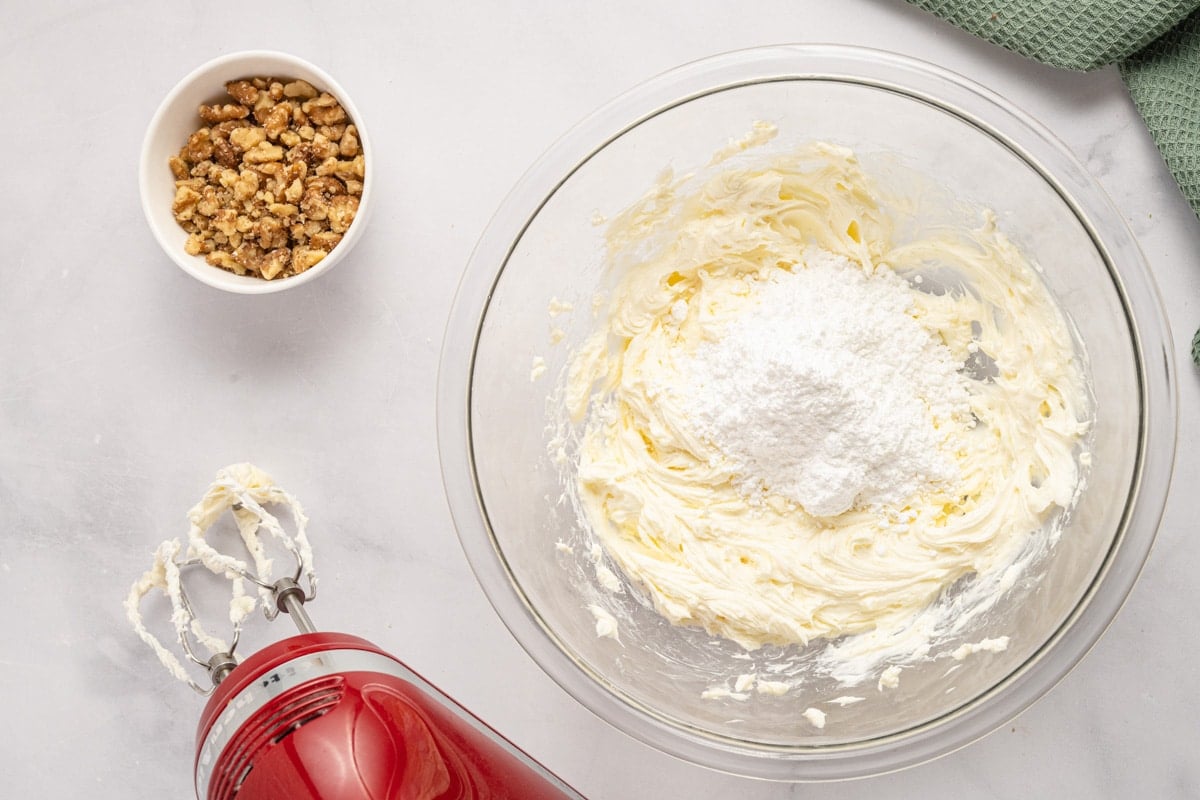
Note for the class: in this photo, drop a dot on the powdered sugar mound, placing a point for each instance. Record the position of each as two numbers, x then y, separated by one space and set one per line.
826 390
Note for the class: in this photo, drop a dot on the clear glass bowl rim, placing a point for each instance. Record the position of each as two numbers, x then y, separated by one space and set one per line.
990 114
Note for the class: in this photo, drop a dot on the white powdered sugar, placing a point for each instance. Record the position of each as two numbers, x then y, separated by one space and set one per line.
826 390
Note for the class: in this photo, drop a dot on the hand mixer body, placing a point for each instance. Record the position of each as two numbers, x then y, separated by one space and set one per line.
319 716
325 716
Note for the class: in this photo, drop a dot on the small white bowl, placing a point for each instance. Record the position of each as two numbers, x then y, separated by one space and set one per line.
177 118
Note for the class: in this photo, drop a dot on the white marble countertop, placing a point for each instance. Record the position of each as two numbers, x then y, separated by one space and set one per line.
124 383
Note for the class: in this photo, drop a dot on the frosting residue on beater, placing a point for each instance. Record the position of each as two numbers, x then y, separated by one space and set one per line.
243 490
926 453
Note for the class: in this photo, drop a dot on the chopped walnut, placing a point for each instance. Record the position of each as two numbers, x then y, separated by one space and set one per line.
219 258
225 153
348 146
347 170
198 147
194 246
294 191
244 92
246 186
179 167
325 240
324 110
305 257
301 89
270 183
341 212
322 148
225 221
184 206
246 138
262 153
274 262
229 111
276 119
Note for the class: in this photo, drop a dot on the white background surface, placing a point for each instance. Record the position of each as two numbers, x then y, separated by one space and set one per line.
124 383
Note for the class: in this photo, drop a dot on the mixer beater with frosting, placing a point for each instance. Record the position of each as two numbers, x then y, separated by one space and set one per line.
317 716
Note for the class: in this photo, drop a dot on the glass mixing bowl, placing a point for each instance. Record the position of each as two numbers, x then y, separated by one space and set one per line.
545 249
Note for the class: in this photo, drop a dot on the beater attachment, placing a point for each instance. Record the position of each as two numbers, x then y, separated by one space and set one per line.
246 492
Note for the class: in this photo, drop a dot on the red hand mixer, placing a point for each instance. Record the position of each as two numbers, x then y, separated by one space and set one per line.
318 716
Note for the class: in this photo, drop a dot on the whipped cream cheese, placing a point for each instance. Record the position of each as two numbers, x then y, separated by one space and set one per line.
890 678
997 645
815 716
606 623
665 502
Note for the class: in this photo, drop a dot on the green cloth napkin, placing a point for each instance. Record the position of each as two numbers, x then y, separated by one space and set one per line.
1155 43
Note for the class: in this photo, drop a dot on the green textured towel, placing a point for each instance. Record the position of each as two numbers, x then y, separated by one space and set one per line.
1078 34
1164 79
1156 44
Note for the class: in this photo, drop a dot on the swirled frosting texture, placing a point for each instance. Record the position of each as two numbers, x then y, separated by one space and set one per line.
672 511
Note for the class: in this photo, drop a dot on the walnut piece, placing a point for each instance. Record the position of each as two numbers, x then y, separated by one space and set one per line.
230 111
244 92
269 184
